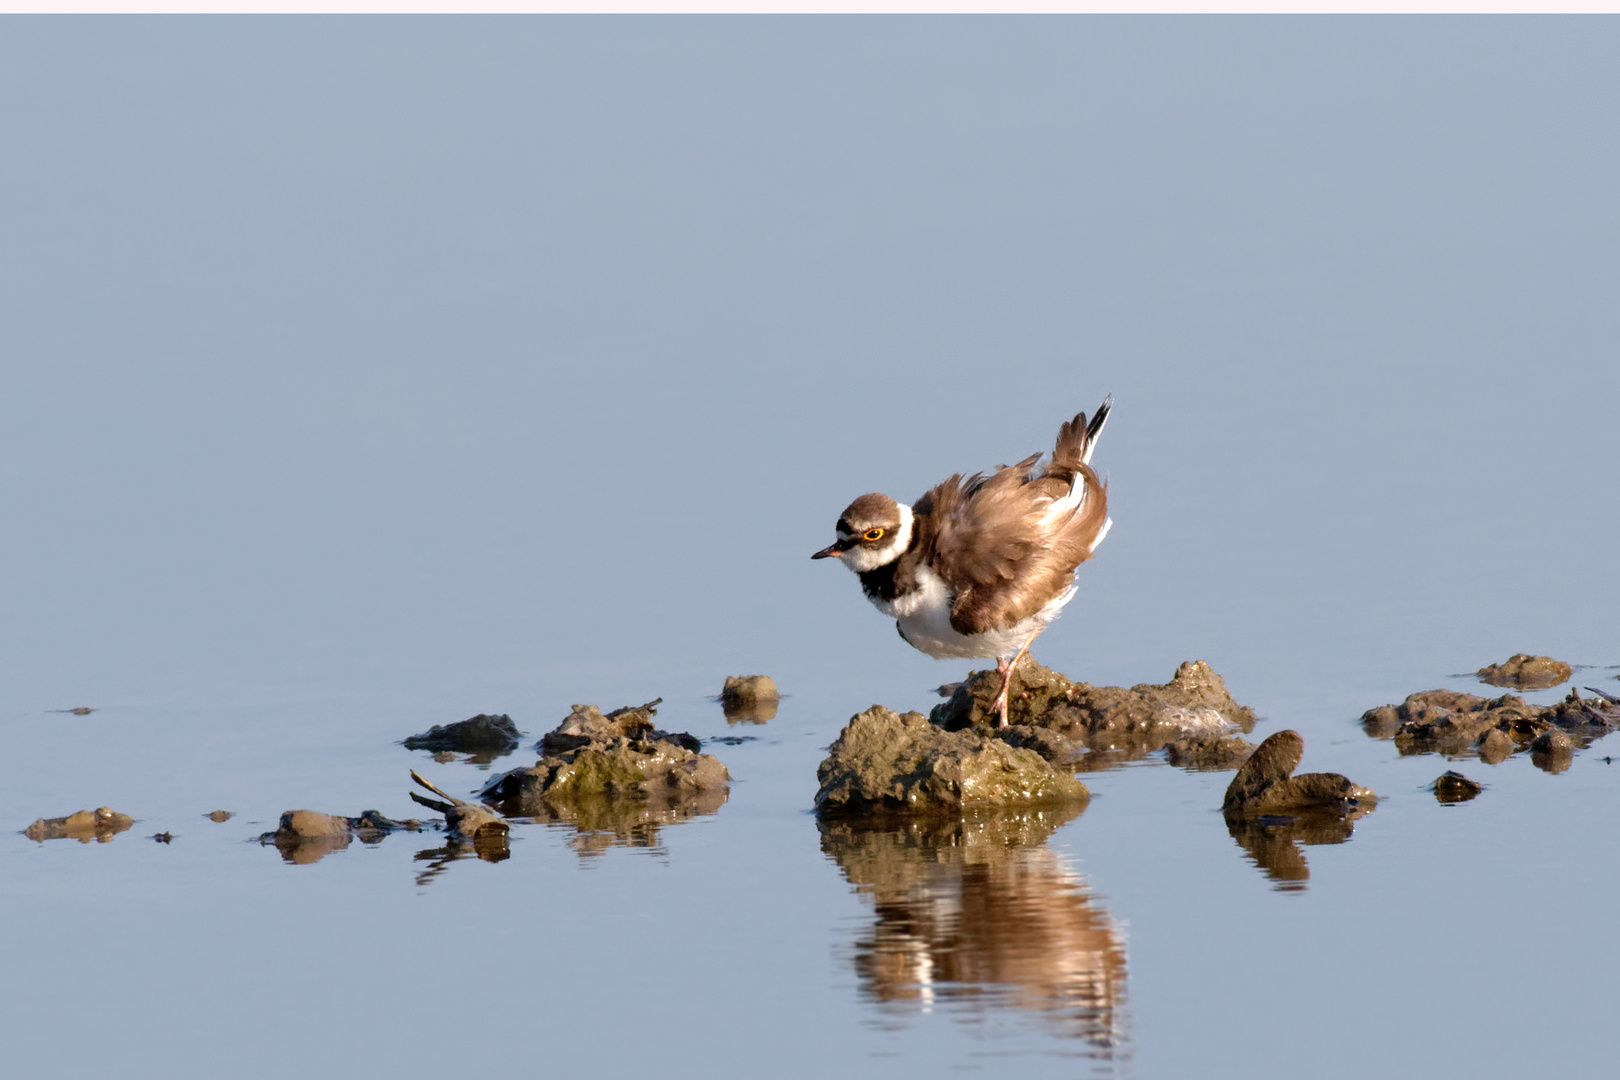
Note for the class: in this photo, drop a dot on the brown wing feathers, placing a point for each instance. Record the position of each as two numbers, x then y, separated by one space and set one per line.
993 543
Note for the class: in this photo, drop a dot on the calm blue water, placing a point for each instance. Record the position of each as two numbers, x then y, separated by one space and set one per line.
360 375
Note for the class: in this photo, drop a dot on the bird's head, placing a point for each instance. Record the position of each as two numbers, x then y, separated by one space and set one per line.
873 531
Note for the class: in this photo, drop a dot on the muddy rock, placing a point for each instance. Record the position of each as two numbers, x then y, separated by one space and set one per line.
219 817
1109 723
1264 784
886 761
749 699
1454 787
100 825
1494 747
1552 751
484 733
1521 671
1457 724
618 756
1208 752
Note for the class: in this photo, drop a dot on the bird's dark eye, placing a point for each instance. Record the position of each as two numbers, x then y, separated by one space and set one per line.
872 534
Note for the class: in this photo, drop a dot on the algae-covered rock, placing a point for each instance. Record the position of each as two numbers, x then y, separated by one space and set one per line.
885 761
616 778
484 733
1110 723
1454 787
1264 784
1458 724
1521 671
100 825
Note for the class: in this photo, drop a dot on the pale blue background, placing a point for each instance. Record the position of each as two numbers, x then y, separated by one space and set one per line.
357 375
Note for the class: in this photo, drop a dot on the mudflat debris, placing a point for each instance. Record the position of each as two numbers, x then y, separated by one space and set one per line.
1192 717
1521 671
590 757
484 733
888 761
1265 784
749 699
100 825
1458 724
219 817
462 820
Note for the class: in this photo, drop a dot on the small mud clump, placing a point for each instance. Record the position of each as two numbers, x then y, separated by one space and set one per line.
1264 785
1086 727
884 761
484 733
100 825
749 699
1454 787
1456 724
1521 671
219 817
590 757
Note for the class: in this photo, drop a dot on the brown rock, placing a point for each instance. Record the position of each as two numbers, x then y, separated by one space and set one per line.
1454 787
1522 671
1495 746
1263 785
1111 723
1552 751
219 817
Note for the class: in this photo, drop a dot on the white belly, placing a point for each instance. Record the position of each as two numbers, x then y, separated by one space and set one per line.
924 617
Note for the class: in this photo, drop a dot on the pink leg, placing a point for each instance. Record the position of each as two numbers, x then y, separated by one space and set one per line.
1005 669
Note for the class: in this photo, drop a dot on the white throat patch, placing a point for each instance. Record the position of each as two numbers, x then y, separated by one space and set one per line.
862 559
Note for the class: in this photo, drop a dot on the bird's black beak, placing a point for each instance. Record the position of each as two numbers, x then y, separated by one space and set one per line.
829 551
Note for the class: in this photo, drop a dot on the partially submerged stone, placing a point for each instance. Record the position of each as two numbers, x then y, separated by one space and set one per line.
487 733
749 699
616 777
1458 724
1086 727
307 836
1522 671
1454 787
1552 751
885 761
219 817
100 825
1264 785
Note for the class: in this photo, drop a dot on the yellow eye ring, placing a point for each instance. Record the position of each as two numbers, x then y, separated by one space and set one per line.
872 534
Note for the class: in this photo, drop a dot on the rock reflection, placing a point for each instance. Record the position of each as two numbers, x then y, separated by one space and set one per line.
602 822
488 847
978 915
1275 842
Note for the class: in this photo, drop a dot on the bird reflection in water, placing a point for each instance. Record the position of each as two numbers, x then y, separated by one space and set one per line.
1275 842
976 916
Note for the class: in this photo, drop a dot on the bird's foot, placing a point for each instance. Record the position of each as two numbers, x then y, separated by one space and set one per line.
1004 669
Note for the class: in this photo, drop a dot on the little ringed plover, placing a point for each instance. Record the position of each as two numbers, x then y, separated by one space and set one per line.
978 567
